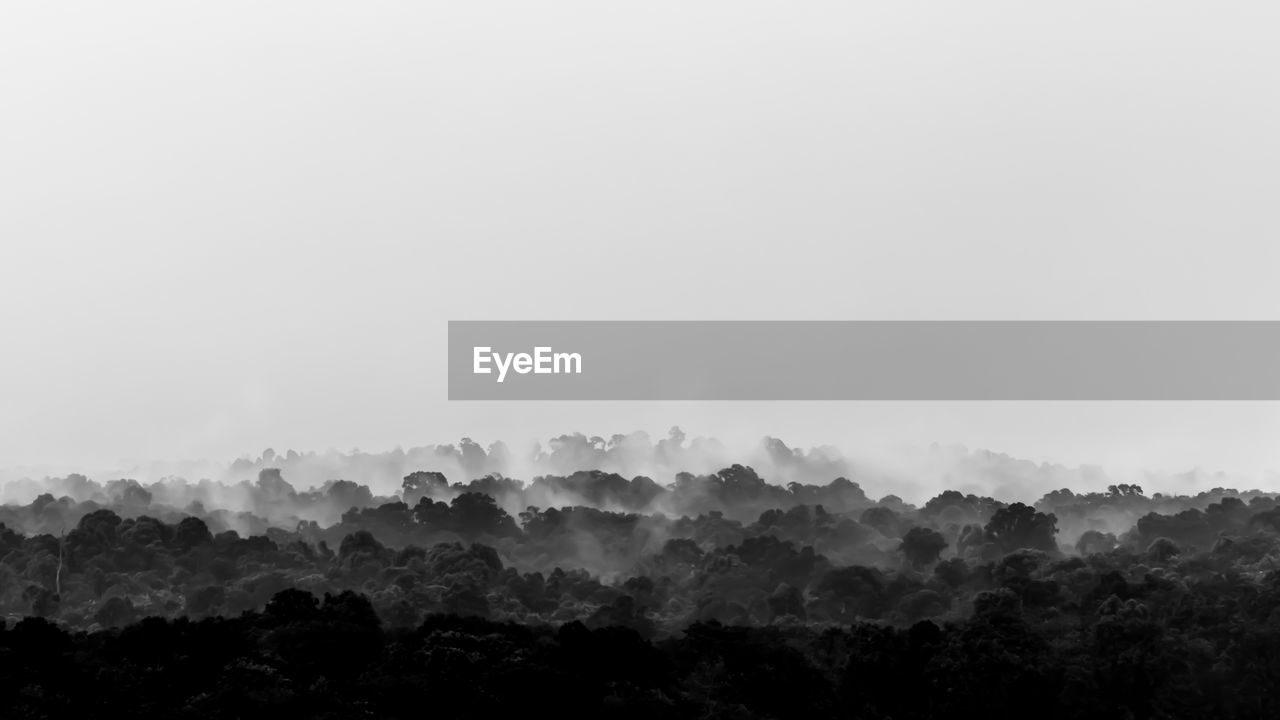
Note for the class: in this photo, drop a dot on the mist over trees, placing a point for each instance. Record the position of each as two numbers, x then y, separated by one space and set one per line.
913 473
716 593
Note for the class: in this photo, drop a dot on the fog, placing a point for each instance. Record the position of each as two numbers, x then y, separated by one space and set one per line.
913 474
232 226
221 235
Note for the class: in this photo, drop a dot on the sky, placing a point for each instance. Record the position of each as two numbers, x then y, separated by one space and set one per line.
230 226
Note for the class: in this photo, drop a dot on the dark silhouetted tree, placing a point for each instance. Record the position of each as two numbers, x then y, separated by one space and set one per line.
1022 526
922 546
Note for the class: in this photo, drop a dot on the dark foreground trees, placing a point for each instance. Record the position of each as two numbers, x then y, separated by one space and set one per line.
330 657
806 602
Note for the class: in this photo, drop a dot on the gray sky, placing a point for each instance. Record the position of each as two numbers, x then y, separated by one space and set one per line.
226 226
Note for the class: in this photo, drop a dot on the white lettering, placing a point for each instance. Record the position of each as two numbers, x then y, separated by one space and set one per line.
572 363
542 362
503 364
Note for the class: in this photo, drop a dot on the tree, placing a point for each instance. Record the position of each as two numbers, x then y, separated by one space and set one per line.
420 484
922 546
1162 549
93 535
852 592
474 514
1124 490
1021 526
346 494
292 605
883 519
1093 541
360 547
953 572
43 601
115 612
787 600
191 532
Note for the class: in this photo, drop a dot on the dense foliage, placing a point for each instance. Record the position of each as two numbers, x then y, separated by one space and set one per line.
742 599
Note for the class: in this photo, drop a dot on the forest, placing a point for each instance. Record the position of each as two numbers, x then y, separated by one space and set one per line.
716 595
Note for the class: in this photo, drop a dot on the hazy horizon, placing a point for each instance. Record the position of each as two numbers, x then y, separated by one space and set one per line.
913 471
223 235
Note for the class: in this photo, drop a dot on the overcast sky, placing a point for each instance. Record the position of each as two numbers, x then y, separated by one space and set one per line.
226 226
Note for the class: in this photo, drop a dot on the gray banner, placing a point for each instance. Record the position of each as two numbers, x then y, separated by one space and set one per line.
820 360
